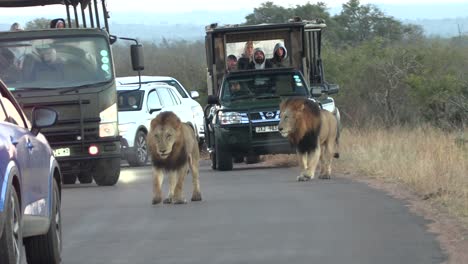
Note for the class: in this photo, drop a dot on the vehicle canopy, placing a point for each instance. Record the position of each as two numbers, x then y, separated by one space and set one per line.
96 9
300 38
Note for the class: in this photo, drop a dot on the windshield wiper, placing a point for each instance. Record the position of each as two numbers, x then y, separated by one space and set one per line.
76 88
21 89
267 97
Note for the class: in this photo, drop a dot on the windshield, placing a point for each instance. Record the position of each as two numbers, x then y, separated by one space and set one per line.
130 101
55 63
262 86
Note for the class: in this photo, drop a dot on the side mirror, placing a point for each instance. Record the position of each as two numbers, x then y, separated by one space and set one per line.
112 39
316 91
212 100
333 88
41 118
194 94
154 107
136 52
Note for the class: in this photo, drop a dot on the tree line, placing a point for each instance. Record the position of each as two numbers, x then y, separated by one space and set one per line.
389 72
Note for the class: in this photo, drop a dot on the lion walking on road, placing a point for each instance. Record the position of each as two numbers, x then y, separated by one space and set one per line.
314 133
173 149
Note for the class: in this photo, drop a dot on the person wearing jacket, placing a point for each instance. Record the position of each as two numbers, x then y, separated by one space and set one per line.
259 61
246 58
280 54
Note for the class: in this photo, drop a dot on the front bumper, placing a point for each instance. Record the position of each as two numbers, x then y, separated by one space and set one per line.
80 159
243 139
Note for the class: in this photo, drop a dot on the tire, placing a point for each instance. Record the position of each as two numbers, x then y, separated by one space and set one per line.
107 172
252 159
238 159
11 242
85 177
69 178
213 160
140 155
47 248
223 159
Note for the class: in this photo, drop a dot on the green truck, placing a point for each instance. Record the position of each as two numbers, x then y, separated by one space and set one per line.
70 70
242 115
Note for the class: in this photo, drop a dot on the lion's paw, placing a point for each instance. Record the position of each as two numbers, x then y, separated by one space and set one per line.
168 200
325 177
196 197
180 201
156 200
303 178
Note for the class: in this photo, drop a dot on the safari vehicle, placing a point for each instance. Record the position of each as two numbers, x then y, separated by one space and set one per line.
70 70
245 125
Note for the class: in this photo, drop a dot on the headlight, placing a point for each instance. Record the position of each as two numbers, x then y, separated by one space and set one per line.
197 111
108 125
229 118
123 128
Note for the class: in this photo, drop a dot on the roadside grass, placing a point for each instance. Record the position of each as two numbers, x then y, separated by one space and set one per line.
431 162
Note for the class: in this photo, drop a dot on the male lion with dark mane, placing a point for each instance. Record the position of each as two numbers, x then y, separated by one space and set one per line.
173 149
314 133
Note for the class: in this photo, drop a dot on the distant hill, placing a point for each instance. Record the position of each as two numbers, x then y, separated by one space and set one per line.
442 27
156 33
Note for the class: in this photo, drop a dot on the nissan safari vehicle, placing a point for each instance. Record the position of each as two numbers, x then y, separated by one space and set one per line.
242 114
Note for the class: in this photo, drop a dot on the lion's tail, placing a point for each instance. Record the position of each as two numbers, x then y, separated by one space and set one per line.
338 129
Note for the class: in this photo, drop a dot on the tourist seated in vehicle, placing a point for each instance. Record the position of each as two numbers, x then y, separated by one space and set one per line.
238 89
8 70
246 58
49 67
57 23
231 63
280 55
259 61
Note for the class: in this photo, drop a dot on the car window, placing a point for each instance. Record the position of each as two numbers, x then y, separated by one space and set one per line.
130 100
13 116
174 97
178 87
166 97
153 99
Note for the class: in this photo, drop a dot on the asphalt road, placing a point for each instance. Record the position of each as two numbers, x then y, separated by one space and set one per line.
250 215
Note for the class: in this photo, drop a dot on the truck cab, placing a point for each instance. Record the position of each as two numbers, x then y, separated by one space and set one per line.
70 70
242 114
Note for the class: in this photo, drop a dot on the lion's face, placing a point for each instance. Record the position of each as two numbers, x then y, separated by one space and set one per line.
287 124
165 137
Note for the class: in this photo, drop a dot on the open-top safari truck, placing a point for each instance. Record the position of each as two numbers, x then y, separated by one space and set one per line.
72 71
246 125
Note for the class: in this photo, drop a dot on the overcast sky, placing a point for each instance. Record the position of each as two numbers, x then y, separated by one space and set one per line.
181 6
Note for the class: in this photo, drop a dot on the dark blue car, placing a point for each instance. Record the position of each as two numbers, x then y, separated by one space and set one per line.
30 186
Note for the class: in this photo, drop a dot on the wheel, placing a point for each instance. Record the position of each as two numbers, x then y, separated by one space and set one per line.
223 159
140 155
47 248
11 242
213 160
107 172
69 178
251 159
238 159
85 177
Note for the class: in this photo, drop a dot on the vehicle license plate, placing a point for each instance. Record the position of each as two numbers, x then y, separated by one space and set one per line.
266 129
62 152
